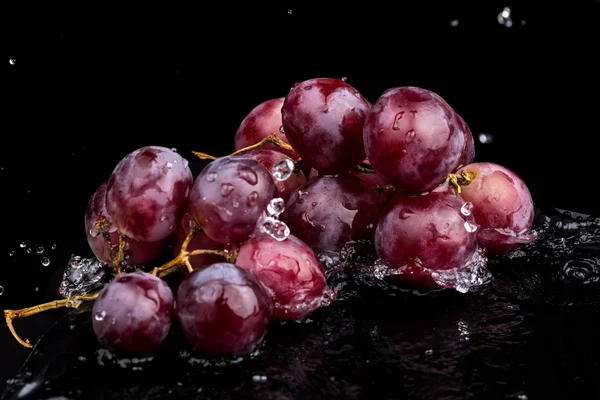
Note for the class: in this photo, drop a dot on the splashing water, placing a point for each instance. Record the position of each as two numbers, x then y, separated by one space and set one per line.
473 273
504 17
82 276
276 207
275 228
283 169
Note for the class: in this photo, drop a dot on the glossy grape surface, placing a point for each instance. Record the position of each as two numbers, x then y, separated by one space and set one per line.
323 120
99 229
291 272
229 196
468 153
502 206
133 314
412 138
263 120
147 191
329 211
223 309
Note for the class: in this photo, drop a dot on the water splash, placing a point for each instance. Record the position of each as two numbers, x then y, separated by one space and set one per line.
504 17
276 207
275 228
283 169
82 276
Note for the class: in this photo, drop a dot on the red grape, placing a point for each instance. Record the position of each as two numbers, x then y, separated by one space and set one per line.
323 120
412 138
291 272
272 158
200 241
468 153
223 309
229 196
146 193
263 120
329 211
133 314
502 206
103 236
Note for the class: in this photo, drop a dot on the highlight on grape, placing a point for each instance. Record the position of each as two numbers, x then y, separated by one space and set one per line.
310 173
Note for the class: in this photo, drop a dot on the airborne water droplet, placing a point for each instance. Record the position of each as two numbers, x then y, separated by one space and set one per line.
290 12
276 207
467 208
486 138
174 149
259 378
283 169
53 247
454 23
275 228
29 250
39 249
211 176
470 227
45 261
428 352
344 79
23 245
12 253
100 315
504 17
12 61
1 290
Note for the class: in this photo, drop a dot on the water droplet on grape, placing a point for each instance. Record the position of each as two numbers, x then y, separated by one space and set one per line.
226 189
211 176
252 198
470 227
276 207
406 213
397 119
290 12
428 352
344 79
29 250
23 245
53 247
236 204
174 149
307 87
45 261
39 249
169 165
248 175
454 23
12 253
1 290
410 135
283 169
486 138
467 208
163 218
281 130
275 228
12 61
259 378
185 163
100 315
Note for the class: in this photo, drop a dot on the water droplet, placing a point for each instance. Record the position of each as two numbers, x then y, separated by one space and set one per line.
307 87
12 253
454 23
39 249
37 289
344 79
235 204
100 315
248 175
470 227
397 119
82 359
276 207
53 247
259 378
69 303
211 176
281 130
174 149
486 138
45 261
12 61
406 213
428 352
252 198
169 165
23 245
467 208
523 22
504 17
522 397
1 290
283 169
290 12
410 135
29 250
275 228
226 189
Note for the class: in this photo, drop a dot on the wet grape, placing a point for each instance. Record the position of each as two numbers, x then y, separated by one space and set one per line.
223 309
468 153
146 193
229 196
133 314
323 120
289 269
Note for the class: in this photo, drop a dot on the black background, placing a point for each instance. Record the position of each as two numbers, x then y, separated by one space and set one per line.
90 85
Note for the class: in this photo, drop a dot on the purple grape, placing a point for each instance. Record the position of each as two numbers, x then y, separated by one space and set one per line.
147 191
413 139
263 120
223 309
502 206
103 236
269 158
468 153
291 272
133 314
329 211
229 196
424 233
323 120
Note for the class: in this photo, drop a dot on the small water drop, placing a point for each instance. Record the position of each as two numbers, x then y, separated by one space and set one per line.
504 17
486 138
410 135
283 169
252 198
12 253
522 397
39 249
454 23
248 175
428 352
1 290
37 289
275 228
226 189
276 207
406 213
100 315
470 227
29 250
281 130
211 176
467 208
259 378
53 247
82 359
45 261
344 79
12 61
163 218
235 204
174 149
290 12
169 165
23 245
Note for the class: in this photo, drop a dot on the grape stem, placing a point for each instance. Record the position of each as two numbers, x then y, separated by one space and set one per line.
365 168
182 259
461 178
271 138
383 188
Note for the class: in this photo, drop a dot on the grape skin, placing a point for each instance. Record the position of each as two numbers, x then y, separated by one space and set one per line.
412 138
133 314
329 211
229 196
146 193
199 241
223 309
136 252
502 206
263 120
323 120
289 269
468 153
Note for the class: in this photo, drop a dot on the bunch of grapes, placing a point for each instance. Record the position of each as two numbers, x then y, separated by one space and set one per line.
310 173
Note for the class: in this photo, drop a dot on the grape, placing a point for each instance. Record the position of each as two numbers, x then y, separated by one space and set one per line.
147 191
502 206
329 211
99 229
426 231
412 138
200 241
223 309
263 120
269 158
133 314
291 272
468 153
323 120
229 196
